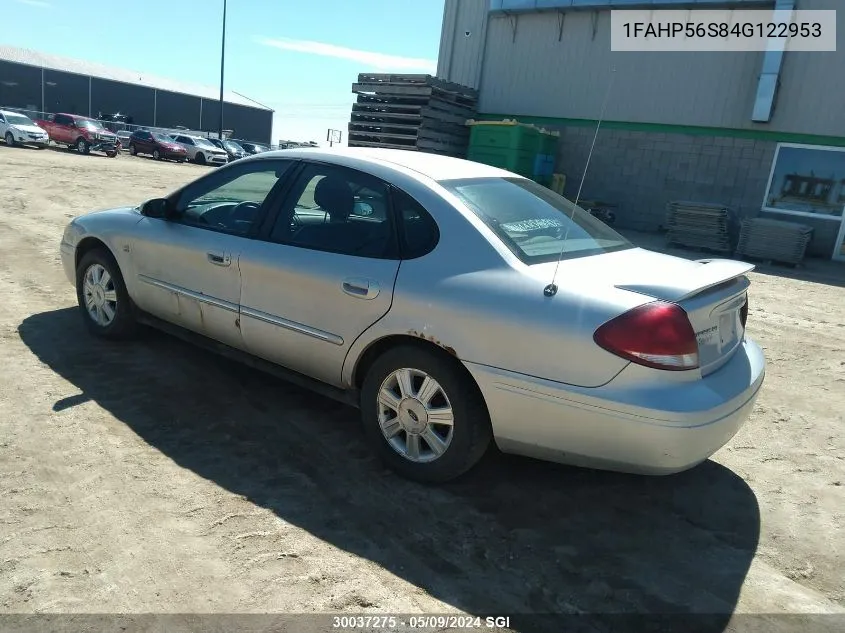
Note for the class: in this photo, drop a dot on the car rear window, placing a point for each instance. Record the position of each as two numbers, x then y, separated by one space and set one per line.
534 222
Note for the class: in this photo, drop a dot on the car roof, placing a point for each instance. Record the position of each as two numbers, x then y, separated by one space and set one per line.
434 166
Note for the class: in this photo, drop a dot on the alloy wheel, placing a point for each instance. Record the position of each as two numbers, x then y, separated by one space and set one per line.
415 415
100 295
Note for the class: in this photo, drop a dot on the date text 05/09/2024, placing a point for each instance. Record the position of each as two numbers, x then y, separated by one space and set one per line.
433 622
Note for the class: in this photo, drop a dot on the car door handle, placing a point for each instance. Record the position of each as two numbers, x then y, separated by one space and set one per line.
219 259
361 288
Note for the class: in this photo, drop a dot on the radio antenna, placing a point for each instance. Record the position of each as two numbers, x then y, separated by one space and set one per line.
551 289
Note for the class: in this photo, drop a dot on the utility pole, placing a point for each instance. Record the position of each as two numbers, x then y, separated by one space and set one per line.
222 68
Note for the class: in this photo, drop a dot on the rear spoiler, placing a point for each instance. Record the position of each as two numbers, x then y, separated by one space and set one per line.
710 273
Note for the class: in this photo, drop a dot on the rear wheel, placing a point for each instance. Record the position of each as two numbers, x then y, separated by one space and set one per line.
423 415
10 140
200 159
82 146
103 300
111 154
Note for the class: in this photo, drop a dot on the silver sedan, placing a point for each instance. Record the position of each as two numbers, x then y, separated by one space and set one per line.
455 304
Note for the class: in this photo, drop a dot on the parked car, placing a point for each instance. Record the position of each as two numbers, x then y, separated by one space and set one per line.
201 150
453 302
123 137
234 151
80 133
253 148
157 144
19 129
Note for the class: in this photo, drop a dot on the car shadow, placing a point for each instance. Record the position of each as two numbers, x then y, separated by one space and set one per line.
515 536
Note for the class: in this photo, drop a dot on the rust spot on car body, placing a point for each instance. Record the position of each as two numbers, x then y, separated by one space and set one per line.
434 340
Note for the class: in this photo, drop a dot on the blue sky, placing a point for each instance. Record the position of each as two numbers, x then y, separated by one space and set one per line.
298 57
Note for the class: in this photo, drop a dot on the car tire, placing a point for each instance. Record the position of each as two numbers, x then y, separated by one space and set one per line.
104 302
133 150
461 444
111 154
156 155
200 158
82 146
10 140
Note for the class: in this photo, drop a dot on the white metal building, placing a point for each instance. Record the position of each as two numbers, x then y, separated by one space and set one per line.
763 133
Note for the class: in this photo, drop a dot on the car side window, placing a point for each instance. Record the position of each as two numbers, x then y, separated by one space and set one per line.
232 201
2 119
61 119
338 210
418 232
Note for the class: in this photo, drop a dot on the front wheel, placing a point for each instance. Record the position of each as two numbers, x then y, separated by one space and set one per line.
10 140
103 300
200 158
423 415
82 146
133 150
156 155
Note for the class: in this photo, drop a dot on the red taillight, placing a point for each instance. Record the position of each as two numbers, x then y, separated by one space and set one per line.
743 313
656 335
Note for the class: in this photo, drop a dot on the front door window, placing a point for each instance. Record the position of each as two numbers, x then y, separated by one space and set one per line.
234 202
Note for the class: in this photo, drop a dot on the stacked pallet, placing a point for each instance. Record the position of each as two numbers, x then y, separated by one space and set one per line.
774 240
699 225
414 112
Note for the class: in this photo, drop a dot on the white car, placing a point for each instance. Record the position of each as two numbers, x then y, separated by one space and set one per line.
201 150
19 129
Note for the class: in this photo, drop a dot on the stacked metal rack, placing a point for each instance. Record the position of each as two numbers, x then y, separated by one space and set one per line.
413 112
774 240
700 225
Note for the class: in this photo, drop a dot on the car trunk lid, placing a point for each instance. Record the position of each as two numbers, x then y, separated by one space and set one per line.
713 292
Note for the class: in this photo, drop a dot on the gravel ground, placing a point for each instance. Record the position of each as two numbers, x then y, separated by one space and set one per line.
152 477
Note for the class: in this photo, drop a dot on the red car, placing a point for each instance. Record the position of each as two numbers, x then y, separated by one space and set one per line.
158 145
80 133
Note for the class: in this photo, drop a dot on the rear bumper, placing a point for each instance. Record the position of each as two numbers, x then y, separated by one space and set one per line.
626 425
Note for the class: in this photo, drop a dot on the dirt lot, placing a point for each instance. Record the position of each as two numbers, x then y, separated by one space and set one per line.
153 477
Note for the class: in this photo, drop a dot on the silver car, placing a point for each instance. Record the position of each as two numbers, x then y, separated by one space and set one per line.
201 150
453 302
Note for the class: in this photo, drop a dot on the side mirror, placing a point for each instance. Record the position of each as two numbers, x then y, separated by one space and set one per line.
156 208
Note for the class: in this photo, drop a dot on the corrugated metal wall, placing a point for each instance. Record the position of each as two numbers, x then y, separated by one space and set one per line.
529 67
462 39
20 87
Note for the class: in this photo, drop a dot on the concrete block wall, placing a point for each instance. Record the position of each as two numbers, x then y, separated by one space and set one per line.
642 171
